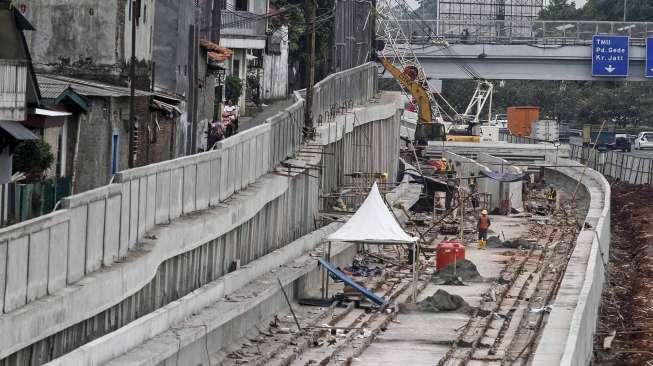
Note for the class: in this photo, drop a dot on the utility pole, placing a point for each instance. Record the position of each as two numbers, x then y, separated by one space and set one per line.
625 9
309 10
135 15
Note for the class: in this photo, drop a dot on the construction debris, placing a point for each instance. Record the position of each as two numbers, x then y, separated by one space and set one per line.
463 269
443 301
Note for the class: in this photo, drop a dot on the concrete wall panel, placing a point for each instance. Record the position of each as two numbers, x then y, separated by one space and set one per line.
16 286
37 273
203 185
77 244
151 202
190 184
231 175
3 273
176 192
238 177
214 198
124 220
224 175
162 198
58 261
135 187
142 206
95 235
112 231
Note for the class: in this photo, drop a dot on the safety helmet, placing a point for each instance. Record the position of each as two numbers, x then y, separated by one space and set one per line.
484 212
443 159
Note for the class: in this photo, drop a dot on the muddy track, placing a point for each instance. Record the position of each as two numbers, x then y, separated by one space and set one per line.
627 305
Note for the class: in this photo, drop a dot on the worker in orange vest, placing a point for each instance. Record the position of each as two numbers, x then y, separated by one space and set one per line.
483 226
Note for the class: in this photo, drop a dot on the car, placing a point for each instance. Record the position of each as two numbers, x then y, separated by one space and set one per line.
644 141
621 142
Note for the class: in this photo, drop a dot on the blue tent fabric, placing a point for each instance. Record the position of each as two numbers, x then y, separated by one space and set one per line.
503 177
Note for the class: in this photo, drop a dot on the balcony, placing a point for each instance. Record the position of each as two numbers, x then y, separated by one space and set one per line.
236 24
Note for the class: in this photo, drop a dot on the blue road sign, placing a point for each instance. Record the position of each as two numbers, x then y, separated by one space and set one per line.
649 57
610 56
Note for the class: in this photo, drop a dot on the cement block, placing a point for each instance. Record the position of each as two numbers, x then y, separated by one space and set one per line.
224 175
176 192
58 261
77 243
214 194
151 202
190 184
124 220
142 207
37 273
162 215
111 231
3 273
203 187
133 212
95 235
16 283
238 183
231 175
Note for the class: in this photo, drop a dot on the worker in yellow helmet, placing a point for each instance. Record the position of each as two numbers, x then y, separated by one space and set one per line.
483 225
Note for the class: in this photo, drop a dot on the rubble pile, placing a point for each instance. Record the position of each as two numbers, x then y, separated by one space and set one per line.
443 301
624 335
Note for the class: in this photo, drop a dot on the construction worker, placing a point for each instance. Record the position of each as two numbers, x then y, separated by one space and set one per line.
551 197
443 165
483 226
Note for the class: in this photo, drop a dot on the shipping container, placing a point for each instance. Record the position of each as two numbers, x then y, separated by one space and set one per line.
520 119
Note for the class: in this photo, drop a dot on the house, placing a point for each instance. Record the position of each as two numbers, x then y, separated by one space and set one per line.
258 55
91 40
98 133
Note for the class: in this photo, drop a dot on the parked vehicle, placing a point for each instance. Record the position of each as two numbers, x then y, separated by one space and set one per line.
621 142
644 141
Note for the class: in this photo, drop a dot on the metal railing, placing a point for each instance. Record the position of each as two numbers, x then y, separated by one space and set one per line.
545 32
96 228
243 23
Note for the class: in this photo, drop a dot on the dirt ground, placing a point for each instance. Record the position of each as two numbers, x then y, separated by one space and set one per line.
627 303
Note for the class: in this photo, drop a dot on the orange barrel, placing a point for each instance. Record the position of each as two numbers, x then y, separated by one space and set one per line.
449 252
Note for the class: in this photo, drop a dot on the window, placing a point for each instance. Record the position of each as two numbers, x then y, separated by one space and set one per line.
242 5
115 154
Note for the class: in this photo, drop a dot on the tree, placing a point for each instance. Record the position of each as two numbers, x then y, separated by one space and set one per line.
637 10
560 10
33 157
233 89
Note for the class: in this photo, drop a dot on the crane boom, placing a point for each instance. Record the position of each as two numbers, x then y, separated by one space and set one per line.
417 91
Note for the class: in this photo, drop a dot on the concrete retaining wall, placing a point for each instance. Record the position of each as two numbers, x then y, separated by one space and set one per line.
568 334
512 191
466 167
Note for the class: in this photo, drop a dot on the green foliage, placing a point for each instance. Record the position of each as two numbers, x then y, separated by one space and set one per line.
33 157
561 10
637 10
233 88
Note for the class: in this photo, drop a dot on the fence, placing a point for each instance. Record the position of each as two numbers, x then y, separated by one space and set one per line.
522 31
96 228
21 202
613 164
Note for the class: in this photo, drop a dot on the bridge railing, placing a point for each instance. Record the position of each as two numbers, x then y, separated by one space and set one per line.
96 228
546 32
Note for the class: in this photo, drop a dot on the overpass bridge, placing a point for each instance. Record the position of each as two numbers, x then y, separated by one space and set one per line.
519 50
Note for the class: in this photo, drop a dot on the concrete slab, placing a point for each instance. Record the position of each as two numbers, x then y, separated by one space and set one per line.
37 274
17 266
58 261
77 244
162 203
111 235
190 185
95 235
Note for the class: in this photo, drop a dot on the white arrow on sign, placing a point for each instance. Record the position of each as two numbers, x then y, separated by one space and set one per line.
610 69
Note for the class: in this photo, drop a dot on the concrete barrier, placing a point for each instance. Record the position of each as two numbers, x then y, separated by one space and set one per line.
512 191
568 334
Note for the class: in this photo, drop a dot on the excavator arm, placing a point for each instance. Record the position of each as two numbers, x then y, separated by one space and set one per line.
416 90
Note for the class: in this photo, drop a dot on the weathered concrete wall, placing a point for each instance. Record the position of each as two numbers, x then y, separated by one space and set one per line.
512 191
568 335
129 228
466 167
274 84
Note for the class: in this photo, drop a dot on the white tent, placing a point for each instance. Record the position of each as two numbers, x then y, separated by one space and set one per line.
372 223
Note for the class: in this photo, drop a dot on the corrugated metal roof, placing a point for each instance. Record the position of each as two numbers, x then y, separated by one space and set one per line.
86 87
17 130
51 90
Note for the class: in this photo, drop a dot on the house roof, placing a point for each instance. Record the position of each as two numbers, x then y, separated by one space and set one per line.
17 130
56 84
